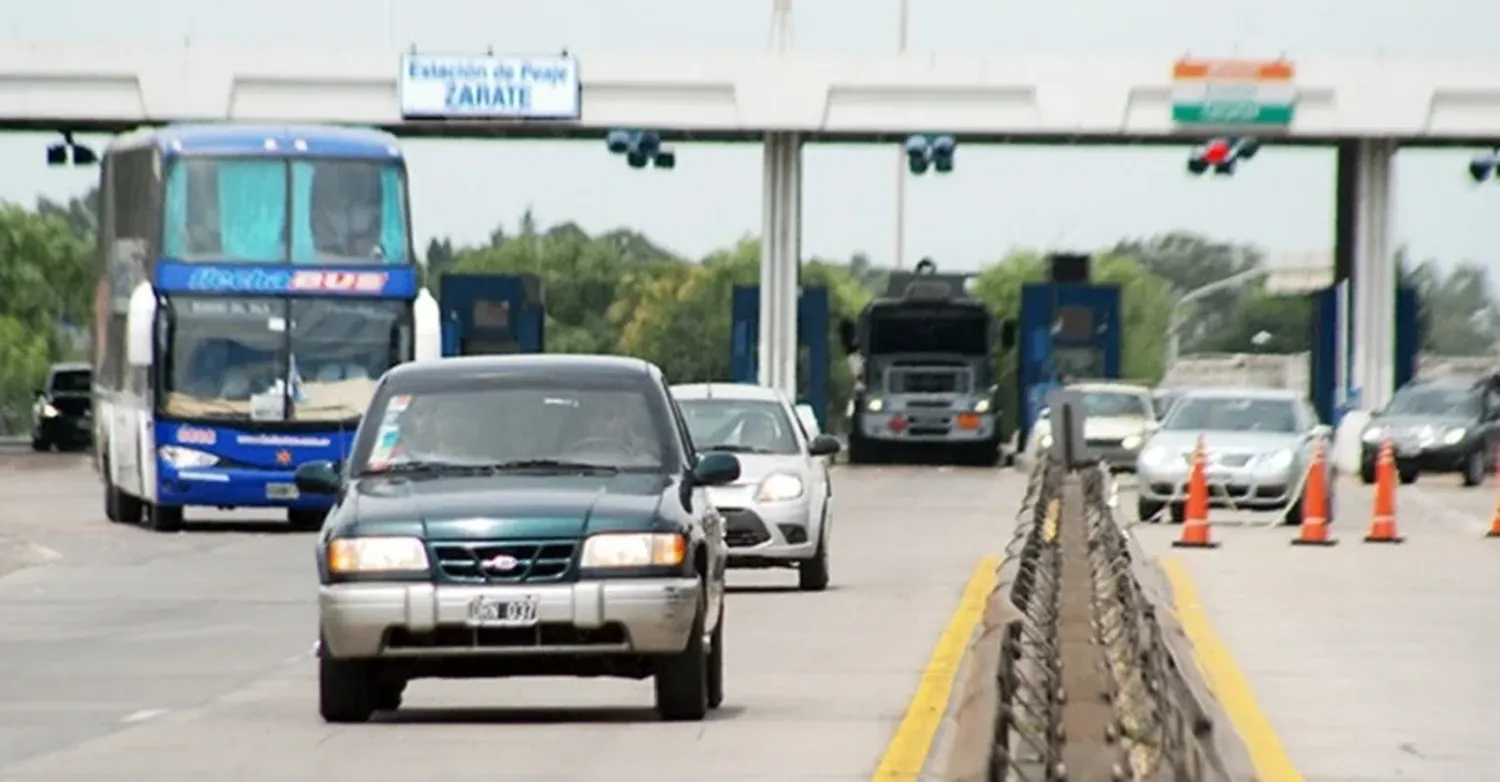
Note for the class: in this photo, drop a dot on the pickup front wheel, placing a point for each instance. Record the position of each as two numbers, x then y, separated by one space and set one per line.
682 679
348 690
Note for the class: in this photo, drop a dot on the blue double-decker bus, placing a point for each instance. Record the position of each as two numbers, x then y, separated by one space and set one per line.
257 281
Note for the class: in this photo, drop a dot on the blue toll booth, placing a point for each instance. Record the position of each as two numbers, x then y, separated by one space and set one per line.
492 314
813 359
1065 330
1323 374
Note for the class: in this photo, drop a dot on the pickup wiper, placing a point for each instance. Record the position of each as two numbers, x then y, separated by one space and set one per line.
420 467
558 465
728 448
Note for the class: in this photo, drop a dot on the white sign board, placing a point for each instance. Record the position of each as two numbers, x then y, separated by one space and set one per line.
441 86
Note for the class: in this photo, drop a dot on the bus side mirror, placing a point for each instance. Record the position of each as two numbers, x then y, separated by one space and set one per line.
1007 334
848 336
140 326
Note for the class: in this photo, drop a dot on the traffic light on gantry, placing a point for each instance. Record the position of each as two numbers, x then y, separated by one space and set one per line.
1222 155
930 152
641 149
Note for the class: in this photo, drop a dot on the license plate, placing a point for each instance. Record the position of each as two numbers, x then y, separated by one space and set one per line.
282 491
493 612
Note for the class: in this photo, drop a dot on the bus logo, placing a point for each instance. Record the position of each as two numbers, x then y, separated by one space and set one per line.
339 282
190 435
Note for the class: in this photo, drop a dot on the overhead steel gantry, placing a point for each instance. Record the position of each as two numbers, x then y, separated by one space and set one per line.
1368 107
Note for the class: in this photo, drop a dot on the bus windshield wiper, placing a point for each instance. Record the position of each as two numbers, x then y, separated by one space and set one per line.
560 465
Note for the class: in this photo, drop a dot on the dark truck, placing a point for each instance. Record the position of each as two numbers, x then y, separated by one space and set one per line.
63 414
924 374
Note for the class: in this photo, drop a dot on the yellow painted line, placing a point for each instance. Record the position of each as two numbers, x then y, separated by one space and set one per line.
912 742
1227 681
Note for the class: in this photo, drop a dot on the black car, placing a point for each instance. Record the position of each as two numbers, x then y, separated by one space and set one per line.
63 414
521 516
1435 426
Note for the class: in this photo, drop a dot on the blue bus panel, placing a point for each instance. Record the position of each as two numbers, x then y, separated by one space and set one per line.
813 355
248 468
492 314
1065 331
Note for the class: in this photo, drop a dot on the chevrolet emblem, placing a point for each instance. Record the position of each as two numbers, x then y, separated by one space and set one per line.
283 457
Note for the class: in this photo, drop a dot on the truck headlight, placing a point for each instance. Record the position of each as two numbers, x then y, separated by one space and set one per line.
779 487
377 555
1454 436
186 458
633 549
875 405
982 406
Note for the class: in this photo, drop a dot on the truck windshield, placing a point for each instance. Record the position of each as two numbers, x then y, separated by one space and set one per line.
895 329
259 359
274 210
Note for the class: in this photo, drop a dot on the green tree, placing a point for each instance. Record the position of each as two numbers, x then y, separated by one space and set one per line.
1459 310
1187 261
1267 323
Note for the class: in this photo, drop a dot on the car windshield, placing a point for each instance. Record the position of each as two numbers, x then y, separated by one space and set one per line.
1228 414
1113 404
1434 402
744 425
72 381
528 426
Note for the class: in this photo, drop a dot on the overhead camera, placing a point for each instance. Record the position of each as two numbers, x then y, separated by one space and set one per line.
641 149
1483 166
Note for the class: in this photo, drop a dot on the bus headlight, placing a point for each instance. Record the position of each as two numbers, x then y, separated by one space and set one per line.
186 458
636 549
377 555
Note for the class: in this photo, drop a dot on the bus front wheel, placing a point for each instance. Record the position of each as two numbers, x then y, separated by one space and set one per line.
163 518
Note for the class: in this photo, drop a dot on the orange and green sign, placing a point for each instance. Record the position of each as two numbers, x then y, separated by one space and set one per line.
1233 93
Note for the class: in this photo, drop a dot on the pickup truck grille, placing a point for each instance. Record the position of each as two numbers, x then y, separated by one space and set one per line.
504 562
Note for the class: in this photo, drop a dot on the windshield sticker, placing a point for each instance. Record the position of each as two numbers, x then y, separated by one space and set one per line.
398 403
385 446
276 324
268 406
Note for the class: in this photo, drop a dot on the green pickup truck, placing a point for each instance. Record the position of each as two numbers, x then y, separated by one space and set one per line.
521 516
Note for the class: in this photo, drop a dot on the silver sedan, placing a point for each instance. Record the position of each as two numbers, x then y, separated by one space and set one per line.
778 514
1257 443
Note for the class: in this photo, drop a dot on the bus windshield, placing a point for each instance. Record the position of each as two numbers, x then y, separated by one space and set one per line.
236 209
275 360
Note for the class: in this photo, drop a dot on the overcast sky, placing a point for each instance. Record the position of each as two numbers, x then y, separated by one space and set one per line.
996 199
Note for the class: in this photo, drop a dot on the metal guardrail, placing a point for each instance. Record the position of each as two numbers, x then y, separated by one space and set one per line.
1088 687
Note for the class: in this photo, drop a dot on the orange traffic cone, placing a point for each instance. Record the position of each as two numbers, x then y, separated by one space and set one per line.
1495 517
1383 519
1195 512
1314 528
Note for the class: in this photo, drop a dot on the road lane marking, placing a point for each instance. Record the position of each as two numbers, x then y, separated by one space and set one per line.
909 747
142 715
1228 683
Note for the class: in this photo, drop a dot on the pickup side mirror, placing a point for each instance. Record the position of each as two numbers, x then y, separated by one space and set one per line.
716 469
848 336
1008 333
319 477
824 445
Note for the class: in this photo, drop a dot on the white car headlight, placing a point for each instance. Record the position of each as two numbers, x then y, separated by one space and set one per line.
1454 436
377 555
875 405
1044 441
982 406
633 549
1276 460
186 458
1131 443
779 487
1372 434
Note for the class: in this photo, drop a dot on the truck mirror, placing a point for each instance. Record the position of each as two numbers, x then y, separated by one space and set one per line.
848 336
1007 333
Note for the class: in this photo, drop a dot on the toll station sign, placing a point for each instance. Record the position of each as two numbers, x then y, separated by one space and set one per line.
1229 93
438 86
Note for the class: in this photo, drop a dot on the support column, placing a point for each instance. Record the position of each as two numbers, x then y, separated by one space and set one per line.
1374 269
780 262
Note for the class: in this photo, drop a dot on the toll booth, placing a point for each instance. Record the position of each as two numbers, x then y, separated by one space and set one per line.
1328 311
1065 330
813 359
492 314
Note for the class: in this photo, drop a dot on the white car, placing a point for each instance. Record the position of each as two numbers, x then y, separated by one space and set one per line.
1117 420
778 514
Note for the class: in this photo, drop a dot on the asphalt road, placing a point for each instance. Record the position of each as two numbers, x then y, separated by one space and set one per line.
132 655
1360 662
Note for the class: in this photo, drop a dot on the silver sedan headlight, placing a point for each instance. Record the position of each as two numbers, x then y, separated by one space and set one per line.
780 487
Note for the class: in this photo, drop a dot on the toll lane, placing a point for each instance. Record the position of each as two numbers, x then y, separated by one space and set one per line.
183 656
1367 662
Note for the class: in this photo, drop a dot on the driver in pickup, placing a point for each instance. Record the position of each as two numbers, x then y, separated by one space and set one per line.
615 426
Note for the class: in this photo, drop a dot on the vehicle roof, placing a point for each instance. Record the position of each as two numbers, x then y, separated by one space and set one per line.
72 366
735 391
1244 393
549 364
278 140
1451 383
1105 385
